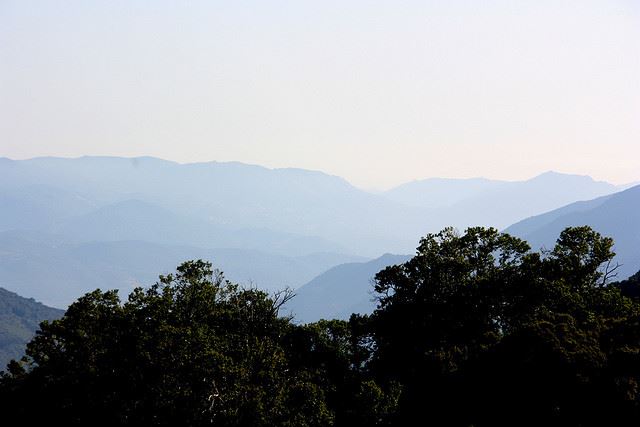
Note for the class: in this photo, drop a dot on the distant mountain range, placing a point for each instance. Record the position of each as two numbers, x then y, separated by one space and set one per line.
70 225
228 198
304 211
468 202
19 319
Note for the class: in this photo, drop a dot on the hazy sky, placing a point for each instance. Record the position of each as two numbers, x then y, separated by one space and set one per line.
379 92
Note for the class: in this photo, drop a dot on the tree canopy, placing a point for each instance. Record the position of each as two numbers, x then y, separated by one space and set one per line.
194 349
481 331
475 330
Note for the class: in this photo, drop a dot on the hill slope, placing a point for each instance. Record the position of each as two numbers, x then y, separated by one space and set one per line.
340 291
19 319
617 216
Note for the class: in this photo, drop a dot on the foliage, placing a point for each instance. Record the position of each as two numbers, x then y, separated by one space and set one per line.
481 331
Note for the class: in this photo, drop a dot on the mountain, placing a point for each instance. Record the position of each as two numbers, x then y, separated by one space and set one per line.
89 194
275 227
232 196
57 272
617 216
300 211
465 203
340 291
19 319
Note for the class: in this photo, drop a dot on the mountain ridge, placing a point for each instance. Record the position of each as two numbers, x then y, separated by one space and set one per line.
616 216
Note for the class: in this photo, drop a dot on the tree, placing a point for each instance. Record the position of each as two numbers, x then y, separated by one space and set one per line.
479 330
194 349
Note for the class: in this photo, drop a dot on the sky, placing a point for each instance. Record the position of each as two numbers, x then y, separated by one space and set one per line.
378 92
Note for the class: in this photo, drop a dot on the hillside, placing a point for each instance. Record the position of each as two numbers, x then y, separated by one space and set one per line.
340 291
617 216
19 319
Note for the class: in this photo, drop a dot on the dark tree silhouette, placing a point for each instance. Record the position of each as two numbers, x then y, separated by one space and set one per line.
478 330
